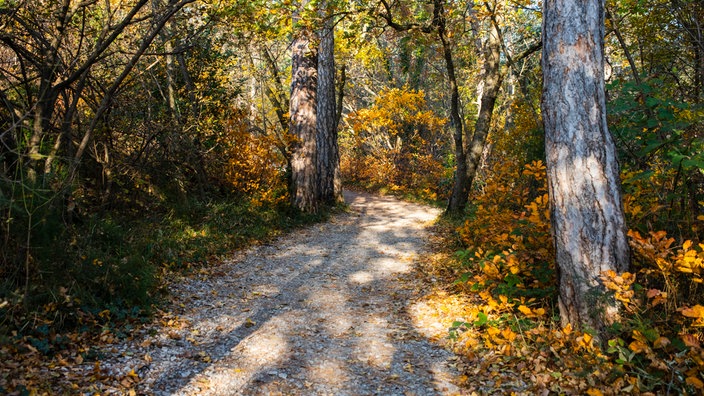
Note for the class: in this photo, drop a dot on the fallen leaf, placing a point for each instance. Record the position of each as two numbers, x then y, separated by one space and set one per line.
695 382
661 342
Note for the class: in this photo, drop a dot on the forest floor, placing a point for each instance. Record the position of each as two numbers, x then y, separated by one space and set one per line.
333 308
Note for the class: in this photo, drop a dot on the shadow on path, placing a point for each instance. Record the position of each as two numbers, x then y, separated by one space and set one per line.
320 311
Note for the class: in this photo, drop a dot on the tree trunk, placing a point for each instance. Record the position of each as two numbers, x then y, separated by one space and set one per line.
340 96
330 186
460 189
587 218
491 77
304 186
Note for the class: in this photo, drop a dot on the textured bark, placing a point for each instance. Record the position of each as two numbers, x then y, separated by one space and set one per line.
491 76
583 177
304 187
340 96
329 182
460 189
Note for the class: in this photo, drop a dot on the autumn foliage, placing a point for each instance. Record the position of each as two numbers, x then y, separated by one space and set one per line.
250 162
507 270
396 144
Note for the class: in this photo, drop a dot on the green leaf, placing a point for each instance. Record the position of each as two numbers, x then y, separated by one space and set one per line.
651 334
463 278
483 318
693 163
456 324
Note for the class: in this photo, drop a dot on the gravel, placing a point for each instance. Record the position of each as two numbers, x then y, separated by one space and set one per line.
323 310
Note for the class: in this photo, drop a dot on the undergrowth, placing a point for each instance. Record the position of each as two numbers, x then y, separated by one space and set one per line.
110 271
512 326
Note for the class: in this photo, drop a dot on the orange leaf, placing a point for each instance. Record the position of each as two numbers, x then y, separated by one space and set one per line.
661 342
696 311
638 346
594 392
690 340
695 382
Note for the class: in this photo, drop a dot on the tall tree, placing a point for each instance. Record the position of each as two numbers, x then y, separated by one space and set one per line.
583 175
330 184
491 79
304 57
460 189
469 158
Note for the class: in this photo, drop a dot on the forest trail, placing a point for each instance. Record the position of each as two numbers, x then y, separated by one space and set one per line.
323 310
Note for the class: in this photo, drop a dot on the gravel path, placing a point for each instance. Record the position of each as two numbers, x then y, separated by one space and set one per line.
324 310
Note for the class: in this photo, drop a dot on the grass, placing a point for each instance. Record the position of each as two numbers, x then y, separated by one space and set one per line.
115 265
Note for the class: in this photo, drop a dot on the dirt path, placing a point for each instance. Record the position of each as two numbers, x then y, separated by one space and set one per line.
321 311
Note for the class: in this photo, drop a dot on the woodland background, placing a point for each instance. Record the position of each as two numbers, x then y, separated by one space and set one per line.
142 139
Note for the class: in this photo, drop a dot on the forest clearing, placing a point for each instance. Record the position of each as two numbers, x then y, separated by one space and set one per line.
523 206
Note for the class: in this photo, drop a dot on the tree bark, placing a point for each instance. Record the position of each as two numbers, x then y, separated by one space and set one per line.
340 96
587 218
330 185
304 184
460 189
491 77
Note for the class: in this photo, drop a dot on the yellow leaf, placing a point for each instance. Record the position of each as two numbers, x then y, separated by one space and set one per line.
567 329
508 334
525 310
594 392
587 338
696 311
638 346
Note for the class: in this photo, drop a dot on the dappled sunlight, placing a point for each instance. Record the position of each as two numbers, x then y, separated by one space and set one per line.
265 347
322 311
361 277
324 300
262 350
434 313
391 266
373 346
329 371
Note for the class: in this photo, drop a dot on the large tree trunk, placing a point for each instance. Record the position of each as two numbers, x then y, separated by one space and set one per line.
587 218
304 187
330 185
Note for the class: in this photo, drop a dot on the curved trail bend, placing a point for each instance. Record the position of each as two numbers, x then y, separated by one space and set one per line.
323 310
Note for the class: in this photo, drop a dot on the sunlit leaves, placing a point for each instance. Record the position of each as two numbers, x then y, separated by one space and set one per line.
656 249
620 284
393 145
696 312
